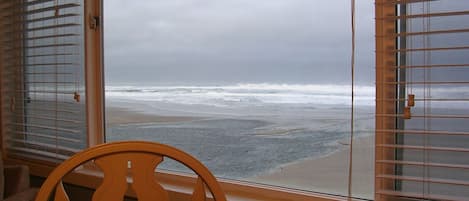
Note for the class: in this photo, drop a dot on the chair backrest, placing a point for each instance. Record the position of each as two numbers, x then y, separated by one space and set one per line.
139 158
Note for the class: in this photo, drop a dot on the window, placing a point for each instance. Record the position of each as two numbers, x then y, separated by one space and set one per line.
257 90
52 90
422 108
44 79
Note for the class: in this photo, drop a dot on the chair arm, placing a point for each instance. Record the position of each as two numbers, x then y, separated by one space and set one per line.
16 179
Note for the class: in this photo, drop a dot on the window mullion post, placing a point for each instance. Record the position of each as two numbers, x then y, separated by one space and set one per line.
94 74
385 109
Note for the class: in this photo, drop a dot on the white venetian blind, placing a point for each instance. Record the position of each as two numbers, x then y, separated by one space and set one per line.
424 153
43 107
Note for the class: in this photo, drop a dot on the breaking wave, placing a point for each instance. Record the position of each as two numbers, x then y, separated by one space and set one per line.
246 94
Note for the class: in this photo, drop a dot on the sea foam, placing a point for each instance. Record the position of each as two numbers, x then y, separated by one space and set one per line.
246 94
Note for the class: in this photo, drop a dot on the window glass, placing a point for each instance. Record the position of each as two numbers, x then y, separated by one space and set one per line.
259 91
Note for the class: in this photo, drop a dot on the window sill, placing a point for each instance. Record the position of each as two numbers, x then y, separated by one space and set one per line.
180 185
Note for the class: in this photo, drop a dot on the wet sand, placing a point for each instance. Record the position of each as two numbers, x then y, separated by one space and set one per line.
119 116
329 174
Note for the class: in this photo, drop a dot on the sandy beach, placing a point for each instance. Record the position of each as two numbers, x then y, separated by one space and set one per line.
329 174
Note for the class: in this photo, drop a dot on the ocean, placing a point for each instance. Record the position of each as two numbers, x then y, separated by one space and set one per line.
244 130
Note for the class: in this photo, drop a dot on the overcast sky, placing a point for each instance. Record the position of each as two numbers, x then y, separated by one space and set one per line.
236 41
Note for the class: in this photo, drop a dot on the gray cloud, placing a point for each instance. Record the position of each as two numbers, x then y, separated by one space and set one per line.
208 41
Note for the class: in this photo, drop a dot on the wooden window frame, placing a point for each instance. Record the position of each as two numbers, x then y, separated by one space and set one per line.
386 60
94 71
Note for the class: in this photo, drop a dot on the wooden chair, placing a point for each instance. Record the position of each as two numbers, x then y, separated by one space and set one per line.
140 159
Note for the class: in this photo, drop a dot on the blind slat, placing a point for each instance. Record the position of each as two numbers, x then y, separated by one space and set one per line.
47 136
421 195
56 147
53 26
50 82
54 17
15 57
426 148
35 109
35 2
37 73
30 153
42 37
423 132
426 180
41 10
441 14
414 163
47 127
46 92
429 66
46 64
427 99
439 116
40 28
433 66
52 118
46 73
433 49
52 64
389 2
24 4
42 46
447 31
428 83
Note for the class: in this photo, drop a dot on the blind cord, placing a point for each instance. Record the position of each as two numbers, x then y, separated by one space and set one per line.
425 120
411 44
56 77
352 68
427 96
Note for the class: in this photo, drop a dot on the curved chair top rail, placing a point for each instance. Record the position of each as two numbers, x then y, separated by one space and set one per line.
130 147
